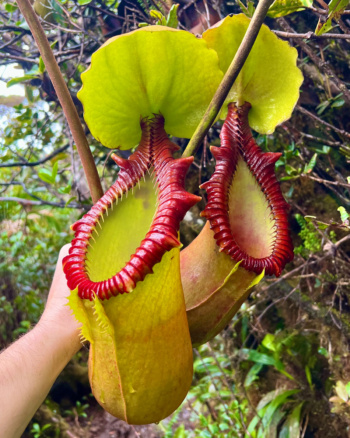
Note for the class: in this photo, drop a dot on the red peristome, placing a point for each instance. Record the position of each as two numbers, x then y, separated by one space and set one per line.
155 150
236 142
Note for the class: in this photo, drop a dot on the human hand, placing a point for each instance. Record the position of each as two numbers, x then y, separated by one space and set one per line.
29 367
57 315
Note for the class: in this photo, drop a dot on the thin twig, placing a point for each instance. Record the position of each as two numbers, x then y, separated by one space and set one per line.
322 65
7 27
24 201
36 163
335 144
12 42
18 58
326 182
65 99
311 35
341 241
229 78
322 122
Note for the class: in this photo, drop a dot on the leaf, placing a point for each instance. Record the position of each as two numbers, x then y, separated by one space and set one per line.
322 107
84 2
180 432
253 374
291 427
15 81
247 10
65 190
341 391
156 14
251 8
323 351
269 342
172 20
264 359
41 65
45 427
336 400
271 430
335 11
46 176
161 20
261 358
10 8
262 408
308 376
54 170
309 167
36 427
344 215
279 400
269 80
129 65
251 428
281 8
338 103
73 198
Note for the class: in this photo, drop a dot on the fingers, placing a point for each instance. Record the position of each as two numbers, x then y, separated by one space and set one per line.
63 252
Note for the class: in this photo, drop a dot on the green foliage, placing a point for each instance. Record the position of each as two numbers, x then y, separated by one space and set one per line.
335 11
49 175
247 10
271 101
344 215
331 102
281 8
10 8
28 254
270 413
220 407
290 342
290 154
217 408
38 431
311 241
266 359
170 20
341 401
79 410
312 163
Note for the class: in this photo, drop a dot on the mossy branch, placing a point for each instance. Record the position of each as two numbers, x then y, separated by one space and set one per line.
229 78
65 99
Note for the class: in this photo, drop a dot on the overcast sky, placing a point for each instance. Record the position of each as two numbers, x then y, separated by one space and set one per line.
9 72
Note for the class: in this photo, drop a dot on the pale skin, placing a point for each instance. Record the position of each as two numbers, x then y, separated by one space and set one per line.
29 367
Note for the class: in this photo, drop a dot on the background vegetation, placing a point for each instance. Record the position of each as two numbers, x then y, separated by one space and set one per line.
282 367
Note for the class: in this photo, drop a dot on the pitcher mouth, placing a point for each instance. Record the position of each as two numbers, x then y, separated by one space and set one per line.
97 274
245 206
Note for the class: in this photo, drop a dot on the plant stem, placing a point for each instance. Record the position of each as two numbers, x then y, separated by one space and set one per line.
65 99
229 78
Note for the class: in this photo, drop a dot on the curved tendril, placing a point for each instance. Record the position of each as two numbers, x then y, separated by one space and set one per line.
237 143
154 152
